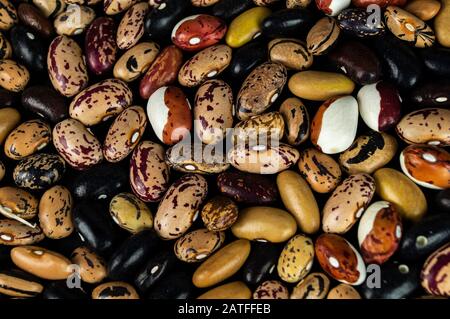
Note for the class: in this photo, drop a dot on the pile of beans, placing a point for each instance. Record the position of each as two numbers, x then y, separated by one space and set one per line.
346 197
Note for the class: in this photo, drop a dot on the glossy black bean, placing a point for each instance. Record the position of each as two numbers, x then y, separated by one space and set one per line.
354 21
261 262
129 258
400 63
247 188
287 23
95 226
29 48
60 290
442 201
357 61
160 21
157 267
246 58
425 237
434 93
436 60
45 102
395 280
7 98
230 9
100 182
5 255
176 285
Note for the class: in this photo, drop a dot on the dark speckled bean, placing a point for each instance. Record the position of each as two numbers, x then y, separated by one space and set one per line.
219 213
247 188
39 171
354 21
100 45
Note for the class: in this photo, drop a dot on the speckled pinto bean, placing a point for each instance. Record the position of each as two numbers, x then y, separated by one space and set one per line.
347 203
79 147
206 64
17 203
113 7
260 90
13 76
124 134
92 267
55 212
131 27
28 138
74 20
180 206
100 101
213 111
149 173
66 66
